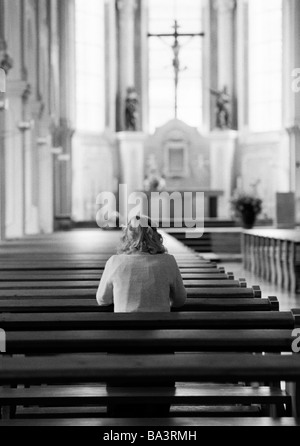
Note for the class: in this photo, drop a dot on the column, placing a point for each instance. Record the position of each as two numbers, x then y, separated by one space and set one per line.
2 129
141 62
126 55
13 117
210 63
62 165
226 49
291 95
111 65
242 65
223 142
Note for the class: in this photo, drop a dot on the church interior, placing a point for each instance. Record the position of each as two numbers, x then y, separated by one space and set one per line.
171 97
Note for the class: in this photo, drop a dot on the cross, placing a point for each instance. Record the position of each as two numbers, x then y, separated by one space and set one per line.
176 50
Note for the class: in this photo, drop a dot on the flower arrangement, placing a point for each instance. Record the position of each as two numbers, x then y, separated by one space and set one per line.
244 202
246 207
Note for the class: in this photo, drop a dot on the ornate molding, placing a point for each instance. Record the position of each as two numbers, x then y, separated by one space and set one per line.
224 6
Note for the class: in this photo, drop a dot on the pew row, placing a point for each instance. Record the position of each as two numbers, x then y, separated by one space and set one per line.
58 275
183 394
135 321
158 341
87 265
193 367
145 422
90 305
93 284
70 293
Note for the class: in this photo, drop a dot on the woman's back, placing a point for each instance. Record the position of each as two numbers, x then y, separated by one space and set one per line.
141 282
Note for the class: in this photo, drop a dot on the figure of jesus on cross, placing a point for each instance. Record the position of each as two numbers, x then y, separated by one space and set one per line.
176 52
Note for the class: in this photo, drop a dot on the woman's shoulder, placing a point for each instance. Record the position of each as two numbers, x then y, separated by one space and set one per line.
118 258
116 261
111 259
166 257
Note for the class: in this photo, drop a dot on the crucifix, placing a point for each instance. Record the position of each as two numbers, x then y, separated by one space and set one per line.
176 50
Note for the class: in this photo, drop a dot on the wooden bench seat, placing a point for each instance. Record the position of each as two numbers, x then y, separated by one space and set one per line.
145 422
96 272
183 394
52 305
183 367
47 278
119 321
78 284
158 341
191 368
42 252
58 264
22 276
88 293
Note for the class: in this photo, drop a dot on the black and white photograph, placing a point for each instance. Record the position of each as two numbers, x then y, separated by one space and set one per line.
150 218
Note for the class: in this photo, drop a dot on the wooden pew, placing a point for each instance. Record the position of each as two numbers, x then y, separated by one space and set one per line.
50 276
93 274
170 422
90 305
197 367
150 321
90 293
183 394
157 340
49 258
6 287
192 367
82 265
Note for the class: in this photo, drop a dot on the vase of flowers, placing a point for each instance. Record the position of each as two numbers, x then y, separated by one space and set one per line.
246 207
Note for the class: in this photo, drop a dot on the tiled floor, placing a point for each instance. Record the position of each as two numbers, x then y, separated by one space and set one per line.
287 300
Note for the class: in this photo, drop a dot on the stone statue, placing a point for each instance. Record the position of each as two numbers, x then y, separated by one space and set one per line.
6 63
131 109
222 108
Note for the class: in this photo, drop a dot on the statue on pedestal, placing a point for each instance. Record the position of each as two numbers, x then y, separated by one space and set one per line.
131 109
222 108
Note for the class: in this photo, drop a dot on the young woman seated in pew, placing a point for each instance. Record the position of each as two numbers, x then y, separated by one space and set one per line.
142 277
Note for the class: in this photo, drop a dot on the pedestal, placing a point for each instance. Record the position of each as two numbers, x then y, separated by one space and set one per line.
131 150
222 152
285 210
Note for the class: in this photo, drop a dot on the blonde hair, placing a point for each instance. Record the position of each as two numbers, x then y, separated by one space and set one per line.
141 235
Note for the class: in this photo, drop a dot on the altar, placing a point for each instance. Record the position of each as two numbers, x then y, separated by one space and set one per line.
174 163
